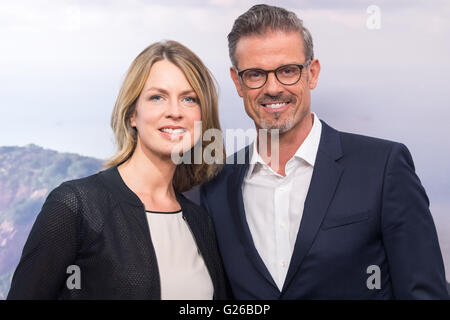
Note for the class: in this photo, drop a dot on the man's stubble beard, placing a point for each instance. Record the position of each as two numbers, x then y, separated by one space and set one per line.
275 123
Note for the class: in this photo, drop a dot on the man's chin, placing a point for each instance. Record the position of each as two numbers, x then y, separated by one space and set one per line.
282 127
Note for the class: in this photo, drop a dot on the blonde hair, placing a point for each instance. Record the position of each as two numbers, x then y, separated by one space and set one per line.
186 175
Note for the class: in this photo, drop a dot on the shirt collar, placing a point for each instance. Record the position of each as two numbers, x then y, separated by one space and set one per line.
307 150
255 158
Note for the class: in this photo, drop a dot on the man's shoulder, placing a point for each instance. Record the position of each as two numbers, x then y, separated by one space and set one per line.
236 161
355 143
356 140
359 148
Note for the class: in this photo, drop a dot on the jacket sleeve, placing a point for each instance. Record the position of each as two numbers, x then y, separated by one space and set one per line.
51 247
409 234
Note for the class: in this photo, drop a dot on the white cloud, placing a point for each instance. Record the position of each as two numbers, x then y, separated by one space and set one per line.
222 3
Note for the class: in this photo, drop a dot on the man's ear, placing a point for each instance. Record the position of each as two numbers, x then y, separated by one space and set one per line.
235 77
313 73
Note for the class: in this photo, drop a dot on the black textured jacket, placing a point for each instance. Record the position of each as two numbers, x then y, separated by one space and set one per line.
98 224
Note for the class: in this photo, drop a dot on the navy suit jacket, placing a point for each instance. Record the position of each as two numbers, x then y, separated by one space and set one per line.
365 206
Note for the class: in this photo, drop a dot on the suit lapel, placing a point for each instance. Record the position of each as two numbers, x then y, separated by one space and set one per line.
240 221
324 181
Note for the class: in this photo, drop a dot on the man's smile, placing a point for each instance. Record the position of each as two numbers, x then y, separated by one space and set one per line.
276 106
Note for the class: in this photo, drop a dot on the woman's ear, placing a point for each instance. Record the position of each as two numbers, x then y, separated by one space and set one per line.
133 121
133 116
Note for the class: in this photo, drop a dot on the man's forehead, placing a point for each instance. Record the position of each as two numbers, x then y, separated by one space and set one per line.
263 47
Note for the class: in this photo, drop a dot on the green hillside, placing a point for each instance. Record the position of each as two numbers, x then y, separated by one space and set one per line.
27 175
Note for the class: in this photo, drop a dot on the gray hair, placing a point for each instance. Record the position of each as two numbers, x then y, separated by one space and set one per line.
262 18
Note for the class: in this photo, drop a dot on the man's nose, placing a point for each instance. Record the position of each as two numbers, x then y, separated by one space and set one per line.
273 87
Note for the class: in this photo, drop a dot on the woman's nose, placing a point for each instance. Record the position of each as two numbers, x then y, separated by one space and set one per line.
174 110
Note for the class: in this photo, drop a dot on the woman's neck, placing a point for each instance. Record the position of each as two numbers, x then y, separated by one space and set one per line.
150 176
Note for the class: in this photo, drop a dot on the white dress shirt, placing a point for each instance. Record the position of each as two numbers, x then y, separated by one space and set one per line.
274 204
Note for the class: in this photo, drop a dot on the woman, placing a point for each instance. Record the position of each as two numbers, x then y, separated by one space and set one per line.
128 232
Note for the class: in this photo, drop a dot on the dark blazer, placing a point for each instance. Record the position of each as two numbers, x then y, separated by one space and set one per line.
365 206
100 225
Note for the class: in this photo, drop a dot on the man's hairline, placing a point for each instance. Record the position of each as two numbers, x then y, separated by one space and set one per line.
264 32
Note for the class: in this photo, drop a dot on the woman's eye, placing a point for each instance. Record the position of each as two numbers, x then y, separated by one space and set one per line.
155 98
190 99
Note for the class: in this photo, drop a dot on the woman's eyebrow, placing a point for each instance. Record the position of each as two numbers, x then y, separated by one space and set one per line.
167 92
157 89
187 92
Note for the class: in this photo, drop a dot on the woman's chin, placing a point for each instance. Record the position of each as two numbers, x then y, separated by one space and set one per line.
169 149
176 152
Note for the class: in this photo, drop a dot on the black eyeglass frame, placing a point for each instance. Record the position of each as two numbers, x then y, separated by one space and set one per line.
301 66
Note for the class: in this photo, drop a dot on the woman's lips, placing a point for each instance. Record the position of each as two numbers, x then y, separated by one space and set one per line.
172 133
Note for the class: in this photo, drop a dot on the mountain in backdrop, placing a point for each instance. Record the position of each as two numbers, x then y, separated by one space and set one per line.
27 175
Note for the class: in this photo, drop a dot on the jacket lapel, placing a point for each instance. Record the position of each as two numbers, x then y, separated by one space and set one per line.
324 181
240 221
202 239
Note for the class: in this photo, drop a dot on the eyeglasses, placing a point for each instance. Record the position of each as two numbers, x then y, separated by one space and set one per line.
288 75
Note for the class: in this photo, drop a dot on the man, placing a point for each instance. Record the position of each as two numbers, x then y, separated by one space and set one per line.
337 215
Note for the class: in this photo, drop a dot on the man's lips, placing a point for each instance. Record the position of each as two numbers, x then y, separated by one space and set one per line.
275 106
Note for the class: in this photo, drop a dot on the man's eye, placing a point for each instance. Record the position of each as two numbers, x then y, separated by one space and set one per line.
254 74
289 71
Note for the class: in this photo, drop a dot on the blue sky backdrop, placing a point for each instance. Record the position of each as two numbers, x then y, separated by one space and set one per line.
62 63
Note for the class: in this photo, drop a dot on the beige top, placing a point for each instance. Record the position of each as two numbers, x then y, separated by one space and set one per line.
183 273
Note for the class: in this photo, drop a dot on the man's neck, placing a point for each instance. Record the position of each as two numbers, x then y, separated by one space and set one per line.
288 144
